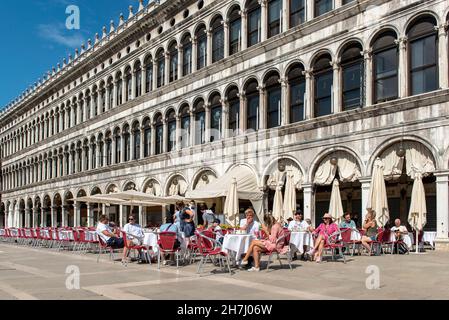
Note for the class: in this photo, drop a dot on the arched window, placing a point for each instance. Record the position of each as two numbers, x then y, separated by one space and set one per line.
138 75
136 141
323 6
126 143
103 98
216 125
118 146
201 39
297 89
73 157
200 122
171 127
81 108
253 22
297 12
185 126
274 17
149 74
186 55
146 138
80 158
385 67
159 134
252 105
129 84
173 52
119 85
235 30
423 55
160 60
234 110
323 80
88 105
273 88
352 68
217 39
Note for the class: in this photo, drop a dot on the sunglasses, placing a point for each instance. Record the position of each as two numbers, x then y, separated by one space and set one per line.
130 219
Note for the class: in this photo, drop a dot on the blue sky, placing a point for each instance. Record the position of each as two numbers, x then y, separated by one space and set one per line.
34 37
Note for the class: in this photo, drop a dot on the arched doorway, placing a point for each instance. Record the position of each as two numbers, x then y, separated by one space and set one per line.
57 210
201 180
344 167
96 207
131 210
69 209
275 178
152 215
112 211
82 209
2 215
403 161
46 212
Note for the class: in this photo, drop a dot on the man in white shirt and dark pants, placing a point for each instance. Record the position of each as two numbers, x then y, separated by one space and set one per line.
106 234
134 235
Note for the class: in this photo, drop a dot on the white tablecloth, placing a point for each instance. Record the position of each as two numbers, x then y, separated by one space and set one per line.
238 243
2 232
66 235
407 238
429 236
301 239
150 240
91 235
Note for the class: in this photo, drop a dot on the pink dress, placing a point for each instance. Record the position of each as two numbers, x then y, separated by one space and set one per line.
326 230
270 244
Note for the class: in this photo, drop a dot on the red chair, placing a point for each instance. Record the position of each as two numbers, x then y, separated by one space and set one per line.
139 248
283 240
334 243
378 242
208 248
102 246
166 243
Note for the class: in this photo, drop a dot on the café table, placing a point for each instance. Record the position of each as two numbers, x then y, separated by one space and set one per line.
236 245
299 239
407 238
429 237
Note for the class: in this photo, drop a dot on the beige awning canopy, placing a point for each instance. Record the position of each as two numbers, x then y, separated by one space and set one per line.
247 188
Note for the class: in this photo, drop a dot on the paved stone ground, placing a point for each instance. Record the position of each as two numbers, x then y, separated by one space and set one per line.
41 274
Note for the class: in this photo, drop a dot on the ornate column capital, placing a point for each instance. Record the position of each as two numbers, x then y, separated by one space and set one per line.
442 29
401 42
367 54
308 73
283 82
335 64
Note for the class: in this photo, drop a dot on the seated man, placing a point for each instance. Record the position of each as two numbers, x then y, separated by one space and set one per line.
217 231
249 225
298 223
134 235
399 230
108 235
347 223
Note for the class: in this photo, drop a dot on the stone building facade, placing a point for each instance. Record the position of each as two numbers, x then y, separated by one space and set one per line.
181 91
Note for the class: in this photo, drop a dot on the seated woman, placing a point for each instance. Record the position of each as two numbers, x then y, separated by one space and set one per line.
324 231
370 227
274 231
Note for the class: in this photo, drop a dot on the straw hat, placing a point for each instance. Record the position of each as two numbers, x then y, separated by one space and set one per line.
327 215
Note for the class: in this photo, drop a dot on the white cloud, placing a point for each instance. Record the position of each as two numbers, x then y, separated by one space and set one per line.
55 33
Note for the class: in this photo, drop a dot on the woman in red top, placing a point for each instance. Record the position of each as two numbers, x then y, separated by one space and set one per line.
325 229
274 231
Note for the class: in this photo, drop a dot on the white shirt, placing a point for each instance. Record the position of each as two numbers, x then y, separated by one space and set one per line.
218 233
133 230
103 227
303 225
255 226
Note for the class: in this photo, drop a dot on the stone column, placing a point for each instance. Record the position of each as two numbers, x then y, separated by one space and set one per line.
442 186
262 123
122 146
207 123
164 136
443 55
192 128
180 54
366 183
263 20
285 17
154 75
114 151
309 202
53 211
242 112
338 3
107 105
43 218
153 140
131 147
225 118
367 55
77 217
167 68
308 99
90 215
100 100
35 217
27 218
337 88
226 38
121 216
310 5
285 105
178 133
142 145
64 216
141 218
105 153
133 85
244 30
194 54
209 48
403 67
144 78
